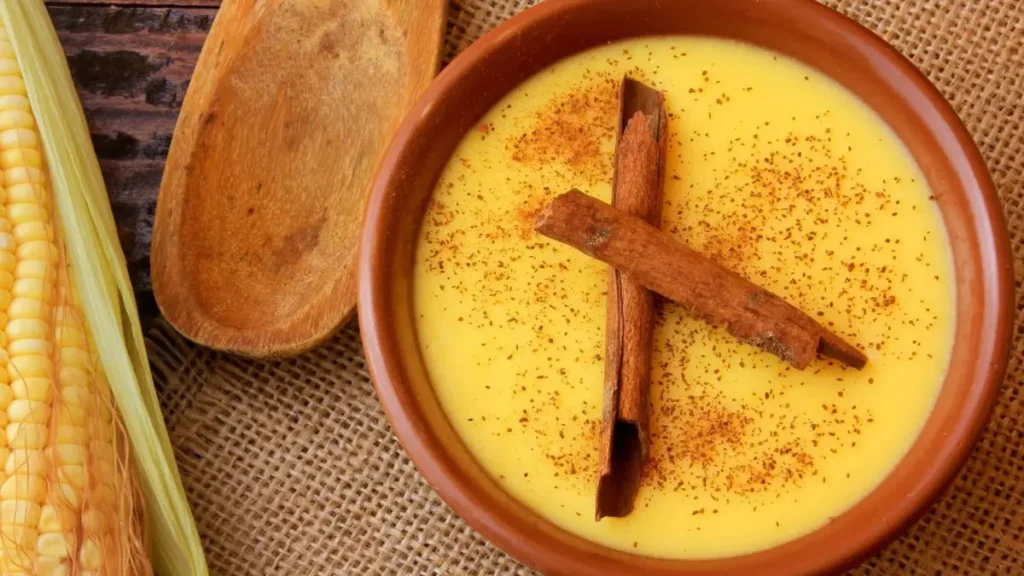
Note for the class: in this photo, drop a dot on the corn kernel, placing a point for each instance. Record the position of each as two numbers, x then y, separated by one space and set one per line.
9 67
13 85
53 545
19 512
21 175
33 287
29 366
30 192
16 562
38 250
54 519
38 389
70 376
34 462
73 415
70 493
8 242
94 521
71 434
69 454
70 337
6 395
30 347
16 119
27 436
23 307
46 566
72 474
68 316
8 261
90 555
28 411
76 397
12 101
35 269
15 537
31 487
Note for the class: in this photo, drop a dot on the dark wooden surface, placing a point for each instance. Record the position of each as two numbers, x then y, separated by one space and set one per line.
131 63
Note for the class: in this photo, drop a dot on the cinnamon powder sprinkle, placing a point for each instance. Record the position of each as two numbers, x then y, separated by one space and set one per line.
574 129
703 439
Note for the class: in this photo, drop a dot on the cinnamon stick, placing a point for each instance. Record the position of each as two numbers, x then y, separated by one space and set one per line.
636 190
670 268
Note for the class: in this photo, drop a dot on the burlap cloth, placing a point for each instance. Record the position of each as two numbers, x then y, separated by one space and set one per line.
291 467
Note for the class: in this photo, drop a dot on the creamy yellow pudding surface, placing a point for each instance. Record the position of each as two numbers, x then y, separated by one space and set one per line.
773 170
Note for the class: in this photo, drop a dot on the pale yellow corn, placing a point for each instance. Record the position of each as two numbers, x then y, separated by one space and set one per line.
30 346
27 436
15 537
29 411
28 486
30 389
100 498
15 562
72 437
50 567
91 555
40 490
27 461
33 232
67 499
17 511
53 518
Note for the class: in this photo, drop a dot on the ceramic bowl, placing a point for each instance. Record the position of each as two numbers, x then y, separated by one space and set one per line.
806 31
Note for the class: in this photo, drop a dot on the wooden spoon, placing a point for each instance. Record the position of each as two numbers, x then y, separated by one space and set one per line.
289 111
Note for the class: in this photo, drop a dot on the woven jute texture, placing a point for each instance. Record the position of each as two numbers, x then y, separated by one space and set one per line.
291 467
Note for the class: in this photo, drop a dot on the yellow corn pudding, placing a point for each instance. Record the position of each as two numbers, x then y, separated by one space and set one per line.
774 171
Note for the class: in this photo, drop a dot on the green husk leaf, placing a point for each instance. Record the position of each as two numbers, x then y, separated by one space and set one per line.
100 273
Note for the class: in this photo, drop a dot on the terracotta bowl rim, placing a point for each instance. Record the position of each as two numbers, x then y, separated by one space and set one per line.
456 488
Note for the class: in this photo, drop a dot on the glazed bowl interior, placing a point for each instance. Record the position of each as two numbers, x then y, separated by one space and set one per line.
841 49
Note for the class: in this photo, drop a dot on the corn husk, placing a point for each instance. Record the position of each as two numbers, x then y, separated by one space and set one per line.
99 271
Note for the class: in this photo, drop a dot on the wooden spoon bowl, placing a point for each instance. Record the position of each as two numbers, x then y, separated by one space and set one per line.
289 111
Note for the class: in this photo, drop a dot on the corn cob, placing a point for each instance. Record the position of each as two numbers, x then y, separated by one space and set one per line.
86 506
29 349
61 478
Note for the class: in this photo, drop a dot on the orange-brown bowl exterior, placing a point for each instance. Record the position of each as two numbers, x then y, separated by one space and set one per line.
802 29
